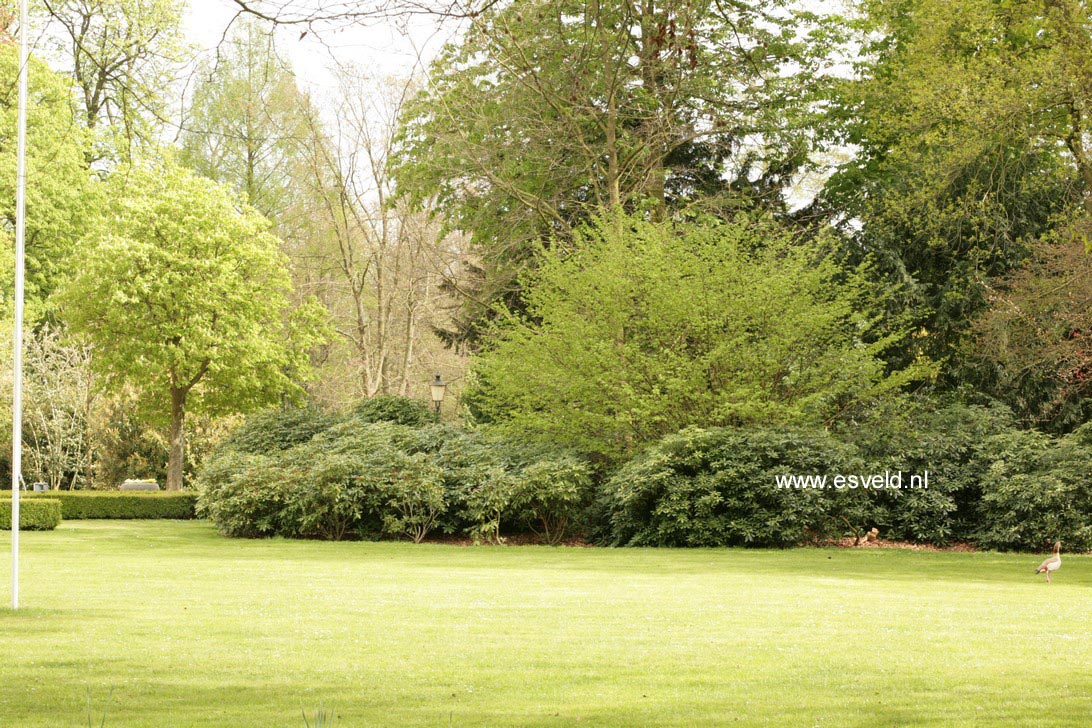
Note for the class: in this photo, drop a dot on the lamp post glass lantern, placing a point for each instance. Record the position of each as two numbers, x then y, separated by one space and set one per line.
437 387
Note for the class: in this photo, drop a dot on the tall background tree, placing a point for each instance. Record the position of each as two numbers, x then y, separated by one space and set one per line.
969 126
246 120
58 203
123 56
386 262
322 176
546 112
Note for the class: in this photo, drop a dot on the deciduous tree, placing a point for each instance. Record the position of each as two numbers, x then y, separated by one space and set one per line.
388 263
1032 348
123 56
645 329
971 122
60 401
246 120
184 294
547 112
58 203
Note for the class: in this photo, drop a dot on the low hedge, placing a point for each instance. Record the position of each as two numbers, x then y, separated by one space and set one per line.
35 514
87 504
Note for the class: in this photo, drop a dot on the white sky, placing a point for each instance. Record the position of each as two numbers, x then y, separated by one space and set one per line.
384 50
381 47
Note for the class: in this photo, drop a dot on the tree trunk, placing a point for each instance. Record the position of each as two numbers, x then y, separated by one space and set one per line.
177 439
650 78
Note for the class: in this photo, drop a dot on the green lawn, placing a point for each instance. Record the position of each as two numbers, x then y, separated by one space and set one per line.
190 629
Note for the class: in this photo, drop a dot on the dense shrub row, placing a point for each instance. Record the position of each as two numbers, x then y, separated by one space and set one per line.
989 483
37 514
388 470
87 504
372 479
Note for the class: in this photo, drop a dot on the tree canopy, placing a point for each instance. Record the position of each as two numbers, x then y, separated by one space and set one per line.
123 56
646 328
547 112
624 218
184 294
58 203
969 120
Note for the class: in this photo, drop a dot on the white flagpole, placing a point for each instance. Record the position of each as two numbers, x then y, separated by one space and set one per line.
17 360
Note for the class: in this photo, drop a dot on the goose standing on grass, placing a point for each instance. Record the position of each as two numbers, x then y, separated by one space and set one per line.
1053 563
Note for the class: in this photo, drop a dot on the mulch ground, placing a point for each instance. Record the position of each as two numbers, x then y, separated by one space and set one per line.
882 543
525 539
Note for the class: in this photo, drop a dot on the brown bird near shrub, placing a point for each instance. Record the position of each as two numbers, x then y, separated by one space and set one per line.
1053 563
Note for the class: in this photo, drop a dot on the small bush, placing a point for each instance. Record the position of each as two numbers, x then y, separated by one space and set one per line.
410 491
397 410
486 496
478 477
718 487
242 494
89 504
552 496
325 496
35 514
1037 490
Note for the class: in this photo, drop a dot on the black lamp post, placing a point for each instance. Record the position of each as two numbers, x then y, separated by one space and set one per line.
437 387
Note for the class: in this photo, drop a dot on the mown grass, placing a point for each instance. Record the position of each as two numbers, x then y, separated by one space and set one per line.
190 629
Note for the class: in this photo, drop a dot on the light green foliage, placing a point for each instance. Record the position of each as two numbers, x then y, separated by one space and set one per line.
182 287
124 56
546 112
185 296
57 204
247 122
646 329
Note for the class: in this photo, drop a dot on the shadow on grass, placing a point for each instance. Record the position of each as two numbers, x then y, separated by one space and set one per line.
181 703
